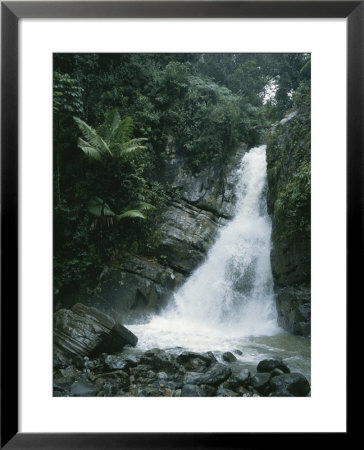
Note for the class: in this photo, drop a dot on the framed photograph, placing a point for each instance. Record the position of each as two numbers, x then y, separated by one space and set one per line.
181 211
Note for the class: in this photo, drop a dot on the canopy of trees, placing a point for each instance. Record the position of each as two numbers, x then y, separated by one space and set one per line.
113 115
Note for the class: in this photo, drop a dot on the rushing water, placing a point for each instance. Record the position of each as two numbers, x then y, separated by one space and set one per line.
228 302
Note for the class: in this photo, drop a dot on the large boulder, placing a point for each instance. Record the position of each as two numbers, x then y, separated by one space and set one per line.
83 331
268 365
288 385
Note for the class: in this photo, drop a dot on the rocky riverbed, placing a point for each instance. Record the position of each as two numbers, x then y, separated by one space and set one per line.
96 356
176 373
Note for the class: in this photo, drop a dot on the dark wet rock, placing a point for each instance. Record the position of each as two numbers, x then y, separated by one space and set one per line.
117 379
77 361
238 379
141 371
195 362
243 391
116 362
132 360
83 331
58 394
259 381
267 365
160 361
243 376
223 392
238 352
280 393
62 386
156 373
209 391
83 388
276 372
134 288
212 357
293 383
191 390
214 376
69 371
229 357
294 309
155 391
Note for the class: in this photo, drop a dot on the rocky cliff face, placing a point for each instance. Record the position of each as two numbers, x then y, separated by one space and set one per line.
190 223
137 286
288 162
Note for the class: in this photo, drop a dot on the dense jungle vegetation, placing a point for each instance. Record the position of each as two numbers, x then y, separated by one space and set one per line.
113 116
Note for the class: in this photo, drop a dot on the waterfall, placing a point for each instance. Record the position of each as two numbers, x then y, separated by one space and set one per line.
231 294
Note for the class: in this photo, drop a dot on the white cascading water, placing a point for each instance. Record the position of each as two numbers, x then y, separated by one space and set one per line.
230 296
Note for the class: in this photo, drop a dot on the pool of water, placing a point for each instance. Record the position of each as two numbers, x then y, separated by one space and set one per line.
174 337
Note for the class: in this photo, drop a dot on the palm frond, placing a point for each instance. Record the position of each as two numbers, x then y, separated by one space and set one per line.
131 213
132 145
99 208
124 130
92 137
113 124
144 206
92 152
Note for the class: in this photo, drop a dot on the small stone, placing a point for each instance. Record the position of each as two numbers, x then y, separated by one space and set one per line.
238 352
229 357
115 362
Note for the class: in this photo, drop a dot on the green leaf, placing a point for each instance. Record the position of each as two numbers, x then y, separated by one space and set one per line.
99 208
132 214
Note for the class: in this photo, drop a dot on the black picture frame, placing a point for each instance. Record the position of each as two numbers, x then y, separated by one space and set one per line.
11 12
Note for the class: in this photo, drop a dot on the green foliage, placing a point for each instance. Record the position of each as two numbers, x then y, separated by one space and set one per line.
121 109
67 95
113 138
293 203
289 167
